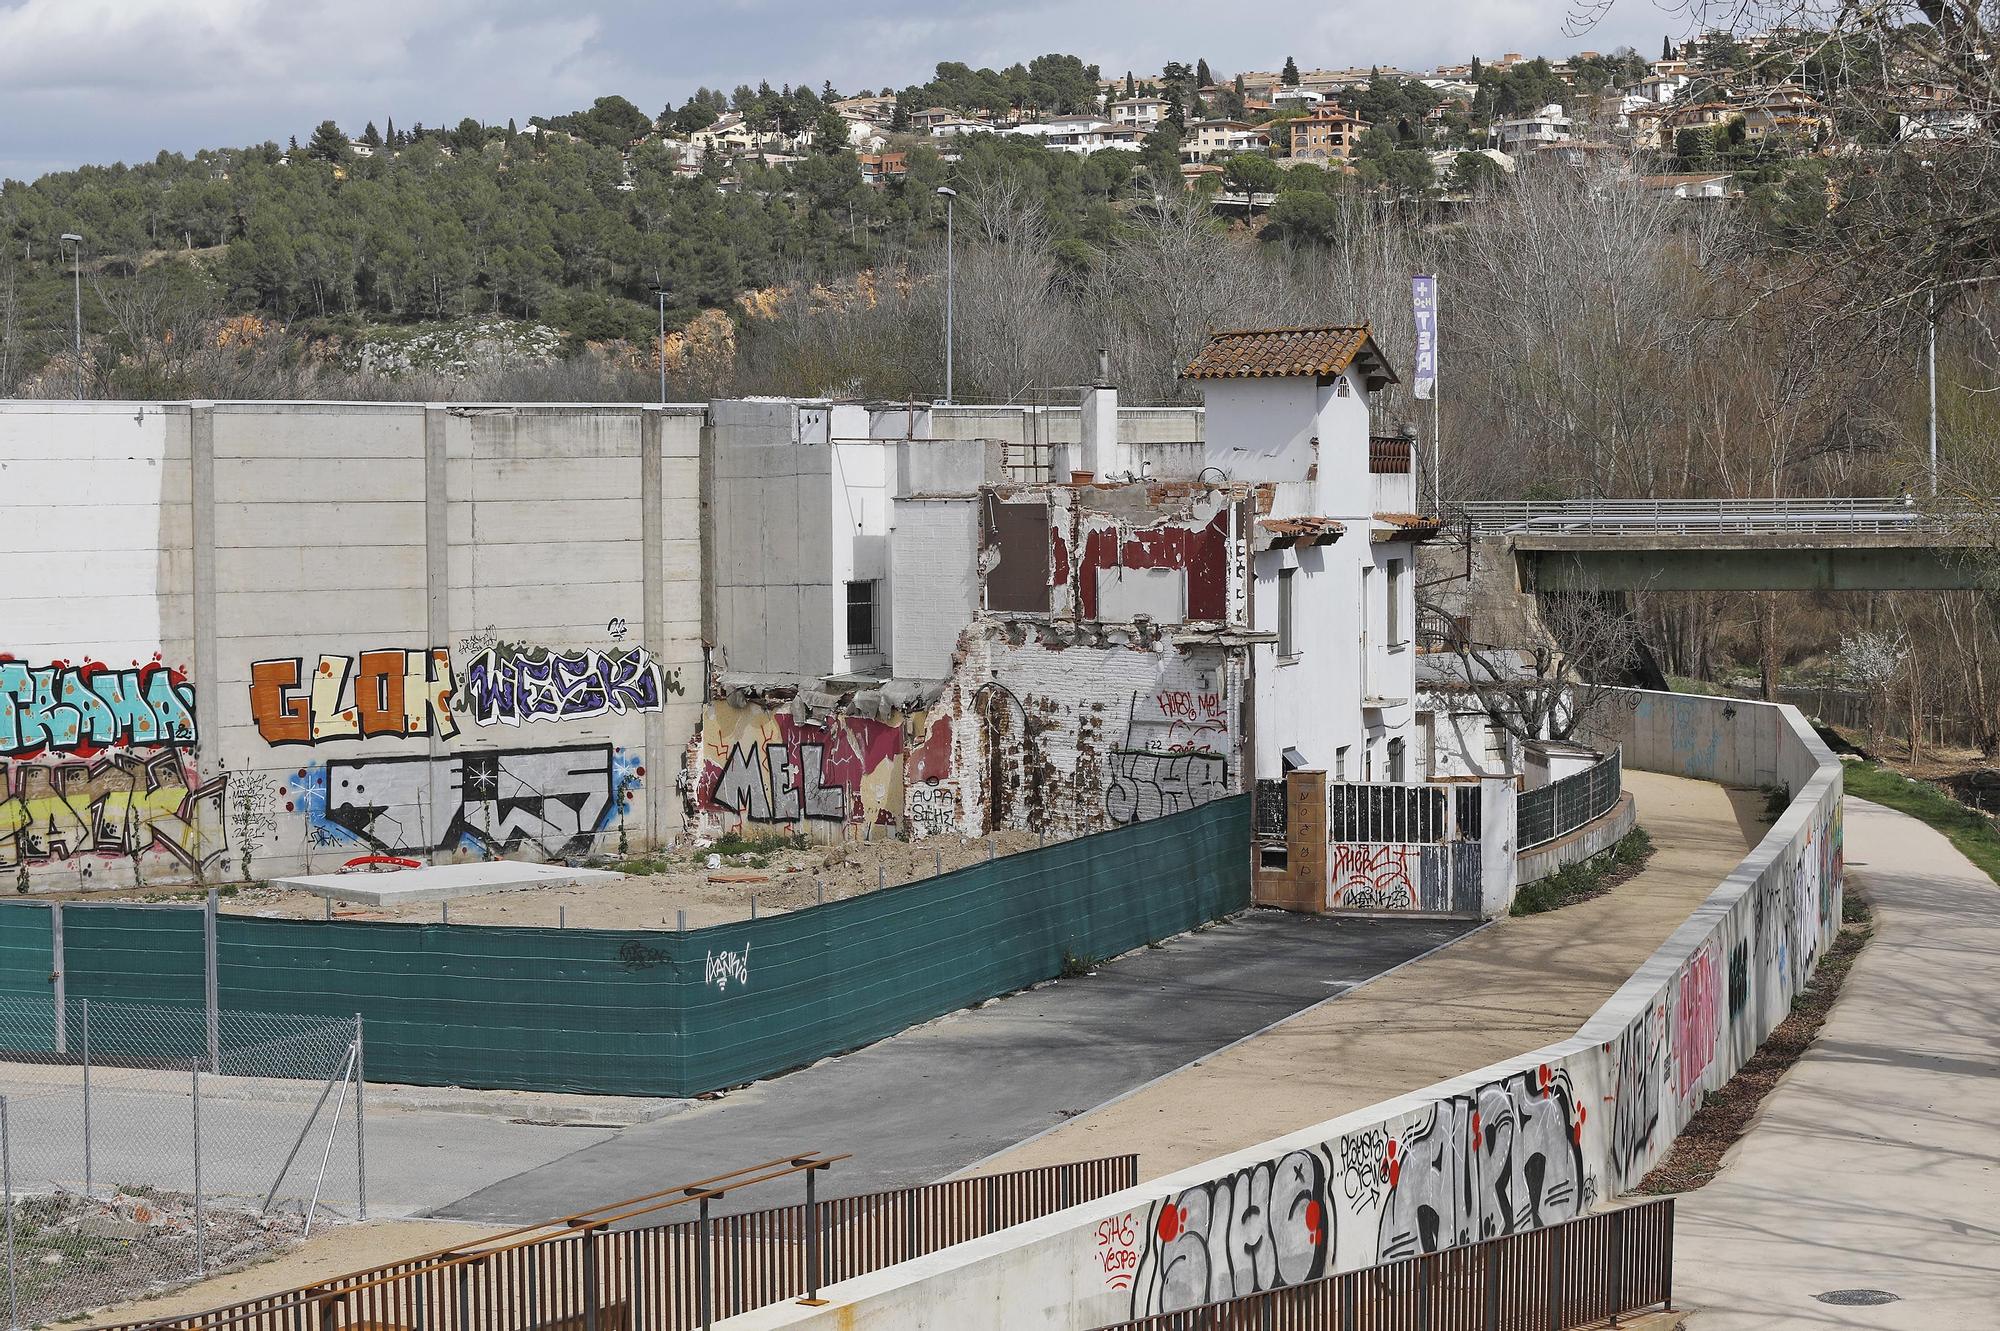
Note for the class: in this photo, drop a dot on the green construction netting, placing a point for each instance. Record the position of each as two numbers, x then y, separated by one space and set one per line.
660 1013
27 996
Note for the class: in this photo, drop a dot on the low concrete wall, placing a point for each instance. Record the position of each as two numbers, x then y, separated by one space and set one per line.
1593 838
1526 1142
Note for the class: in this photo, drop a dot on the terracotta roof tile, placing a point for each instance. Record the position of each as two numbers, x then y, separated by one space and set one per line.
1252 353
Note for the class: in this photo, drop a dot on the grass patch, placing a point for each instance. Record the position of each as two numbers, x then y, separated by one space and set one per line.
1696 1155
1971 831
1074 966
1586 878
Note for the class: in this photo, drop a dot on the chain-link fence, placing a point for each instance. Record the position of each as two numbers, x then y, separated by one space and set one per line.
143 1147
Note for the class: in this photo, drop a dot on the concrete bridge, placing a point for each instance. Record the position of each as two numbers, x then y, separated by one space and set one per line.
1731 544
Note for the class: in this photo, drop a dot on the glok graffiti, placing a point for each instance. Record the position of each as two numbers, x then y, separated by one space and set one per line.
117 804
388 692
555 802
88 707
542 684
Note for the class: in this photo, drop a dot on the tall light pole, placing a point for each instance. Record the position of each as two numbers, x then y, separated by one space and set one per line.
949 195
661 292
1931 358
75 243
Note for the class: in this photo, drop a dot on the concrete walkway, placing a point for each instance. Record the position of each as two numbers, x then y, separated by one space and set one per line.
933 1100
1876 1162
1515 986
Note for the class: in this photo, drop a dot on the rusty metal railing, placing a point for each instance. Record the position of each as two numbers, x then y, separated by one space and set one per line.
596 1270
1585 1272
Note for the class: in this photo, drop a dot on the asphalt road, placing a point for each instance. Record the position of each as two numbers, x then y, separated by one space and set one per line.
927 1103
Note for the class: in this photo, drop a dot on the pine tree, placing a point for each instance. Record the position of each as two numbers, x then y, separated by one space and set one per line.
1291 74
389 135
1202 78
371 136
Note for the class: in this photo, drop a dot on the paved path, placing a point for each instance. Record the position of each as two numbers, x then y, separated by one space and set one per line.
934 1100
1515 986
1876 1162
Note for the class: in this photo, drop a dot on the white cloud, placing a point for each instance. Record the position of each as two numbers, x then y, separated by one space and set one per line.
107 80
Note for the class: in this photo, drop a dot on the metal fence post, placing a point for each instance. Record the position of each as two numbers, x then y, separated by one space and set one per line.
86 1097
589 1279
1491 1254
1617 1265
210 987
815 1258
1556 1277
7 1205
360 1143
703 1296
200 1210
56 976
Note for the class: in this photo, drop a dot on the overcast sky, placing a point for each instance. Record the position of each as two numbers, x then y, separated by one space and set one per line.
117 80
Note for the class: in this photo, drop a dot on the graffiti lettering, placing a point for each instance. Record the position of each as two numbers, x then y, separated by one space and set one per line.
1191 707
1370 876
555 801
1266 1227
636 956
1637 1095
81 709
120 804
1147 785
253 816
724 968
933 810
1505 1159
546 685
1364 1170
394 693
1118 1249
1697 1012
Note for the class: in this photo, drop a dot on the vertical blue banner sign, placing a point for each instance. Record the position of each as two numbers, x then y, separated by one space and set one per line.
1424 300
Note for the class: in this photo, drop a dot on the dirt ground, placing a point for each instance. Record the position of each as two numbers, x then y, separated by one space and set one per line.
782 874
333 1252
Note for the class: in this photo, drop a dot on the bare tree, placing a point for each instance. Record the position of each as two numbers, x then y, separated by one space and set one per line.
1552 688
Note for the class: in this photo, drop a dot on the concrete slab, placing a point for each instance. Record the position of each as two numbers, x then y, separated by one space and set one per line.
443 882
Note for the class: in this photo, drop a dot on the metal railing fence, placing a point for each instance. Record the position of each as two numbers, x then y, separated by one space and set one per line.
1561 807
1837 514
149 1145
595 1271
1380 813
1577 1274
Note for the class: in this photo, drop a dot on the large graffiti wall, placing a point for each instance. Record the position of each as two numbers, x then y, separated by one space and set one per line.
490 619
1076 730
1555 1134
759 765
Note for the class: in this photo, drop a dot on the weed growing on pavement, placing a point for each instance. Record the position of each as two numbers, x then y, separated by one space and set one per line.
1586 878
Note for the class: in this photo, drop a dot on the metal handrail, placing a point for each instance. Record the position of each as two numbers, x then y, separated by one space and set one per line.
1559 808
1823 514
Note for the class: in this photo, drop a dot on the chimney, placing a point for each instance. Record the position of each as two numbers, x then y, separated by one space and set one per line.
1099 453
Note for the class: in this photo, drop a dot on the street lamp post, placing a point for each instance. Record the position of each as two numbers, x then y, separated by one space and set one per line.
75 243
661 349
950 196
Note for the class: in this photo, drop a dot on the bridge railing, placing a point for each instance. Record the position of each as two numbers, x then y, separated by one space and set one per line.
1834 514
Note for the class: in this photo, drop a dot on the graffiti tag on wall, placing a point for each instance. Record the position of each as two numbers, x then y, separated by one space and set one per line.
554 801
388 692
84 708
1147 785
1504 1159
1697 1017
763 766
1371 876
507 688
118 804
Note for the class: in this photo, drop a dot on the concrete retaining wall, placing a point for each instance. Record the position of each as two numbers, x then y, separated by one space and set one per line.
228 642
1523 1143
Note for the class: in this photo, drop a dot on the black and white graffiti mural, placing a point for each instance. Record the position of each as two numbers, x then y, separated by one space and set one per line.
554 802
1151 785
507 687
1262 1228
